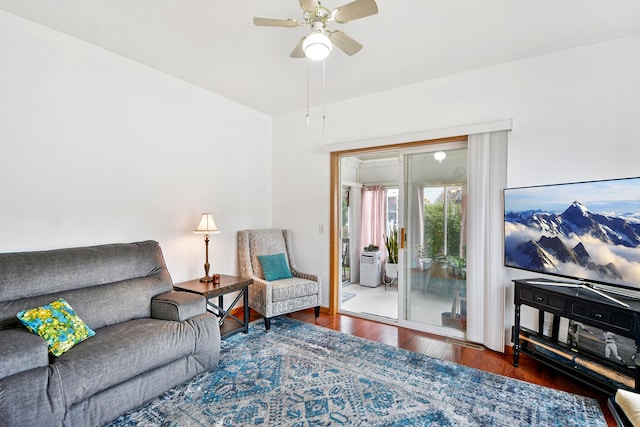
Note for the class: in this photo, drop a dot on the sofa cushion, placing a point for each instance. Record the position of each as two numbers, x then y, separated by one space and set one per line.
57 324
26 274
274 267
120 352
20 351
287 289
98 306
82 276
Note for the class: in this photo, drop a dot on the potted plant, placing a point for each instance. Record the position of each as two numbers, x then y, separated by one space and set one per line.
457 267
391 242
454 268
449 267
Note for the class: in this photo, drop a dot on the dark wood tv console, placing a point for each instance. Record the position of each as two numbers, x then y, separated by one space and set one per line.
589 308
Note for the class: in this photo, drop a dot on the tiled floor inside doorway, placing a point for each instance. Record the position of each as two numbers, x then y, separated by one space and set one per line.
378 301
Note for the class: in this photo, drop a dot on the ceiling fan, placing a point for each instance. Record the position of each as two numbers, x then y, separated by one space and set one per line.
317 45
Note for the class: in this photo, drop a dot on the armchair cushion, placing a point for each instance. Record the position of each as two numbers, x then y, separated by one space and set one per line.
288 289
275 267
265 242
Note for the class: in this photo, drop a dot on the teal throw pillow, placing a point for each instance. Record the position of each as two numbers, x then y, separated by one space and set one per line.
274 267
58 324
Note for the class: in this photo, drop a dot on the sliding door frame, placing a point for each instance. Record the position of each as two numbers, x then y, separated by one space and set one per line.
335 208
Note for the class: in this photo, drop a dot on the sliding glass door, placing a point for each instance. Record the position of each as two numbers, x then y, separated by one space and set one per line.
434 261
420 194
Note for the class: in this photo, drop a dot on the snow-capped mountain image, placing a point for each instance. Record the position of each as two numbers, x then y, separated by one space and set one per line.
574 241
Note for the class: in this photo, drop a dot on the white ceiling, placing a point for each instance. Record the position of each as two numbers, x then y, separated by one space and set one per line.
214 44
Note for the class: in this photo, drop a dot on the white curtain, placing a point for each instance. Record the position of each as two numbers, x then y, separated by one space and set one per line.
417 223
487 177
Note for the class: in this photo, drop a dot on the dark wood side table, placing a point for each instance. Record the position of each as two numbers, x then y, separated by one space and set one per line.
227 285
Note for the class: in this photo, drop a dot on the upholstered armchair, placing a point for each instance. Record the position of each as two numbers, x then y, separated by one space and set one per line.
266 256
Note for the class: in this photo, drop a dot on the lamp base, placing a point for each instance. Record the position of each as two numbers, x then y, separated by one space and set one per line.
206 279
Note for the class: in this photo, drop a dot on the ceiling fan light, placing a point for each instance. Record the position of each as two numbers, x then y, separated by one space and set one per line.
317 46
439 156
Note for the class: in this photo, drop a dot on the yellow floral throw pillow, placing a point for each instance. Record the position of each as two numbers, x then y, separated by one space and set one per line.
58 324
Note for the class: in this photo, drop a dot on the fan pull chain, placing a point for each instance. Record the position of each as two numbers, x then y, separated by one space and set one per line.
308 118
324 103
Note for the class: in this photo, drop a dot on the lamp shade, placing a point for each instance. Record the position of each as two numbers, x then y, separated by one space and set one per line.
317 46
207 225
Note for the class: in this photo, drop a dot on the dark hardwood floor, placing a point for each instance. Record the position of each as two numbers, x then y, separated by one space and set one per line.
438 347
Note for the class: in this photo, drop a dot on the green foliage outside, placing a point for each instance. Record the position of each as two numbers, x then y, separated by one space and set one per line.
453 258
434 230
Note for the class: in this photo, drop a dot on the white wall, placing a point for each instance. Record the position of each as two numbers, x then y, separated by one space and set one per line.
575 117
95 148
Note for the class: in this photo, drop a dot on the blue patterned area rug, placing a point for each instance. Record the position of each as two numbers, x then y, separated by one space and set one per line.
300 374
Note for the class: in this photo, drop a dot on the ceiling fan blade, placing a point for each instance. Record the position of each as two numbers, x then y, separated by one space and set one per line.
274 22
344 42
355 10
297 51
309 5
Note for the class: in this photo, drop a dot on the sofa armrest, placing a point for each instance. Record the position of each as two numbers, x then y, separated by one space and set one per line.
20 351
32 398
177 305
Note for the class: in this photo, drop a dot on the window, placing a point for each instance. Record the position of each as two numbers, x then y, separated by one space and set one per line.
444 221
392 209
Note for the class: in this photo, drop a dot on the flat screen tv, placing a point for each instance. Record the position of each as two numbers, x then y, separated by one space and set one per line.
587 231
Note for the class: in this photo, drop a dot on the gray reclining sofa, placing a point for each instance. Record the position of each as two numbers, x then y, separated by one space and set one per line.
148 338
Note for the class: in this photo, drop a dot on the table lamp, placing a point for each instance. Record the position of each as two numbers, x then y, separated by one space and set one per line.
207 226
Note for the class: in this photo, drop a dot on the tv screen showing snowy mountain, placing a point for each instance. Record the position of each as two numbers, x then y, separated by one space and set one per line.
587 231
